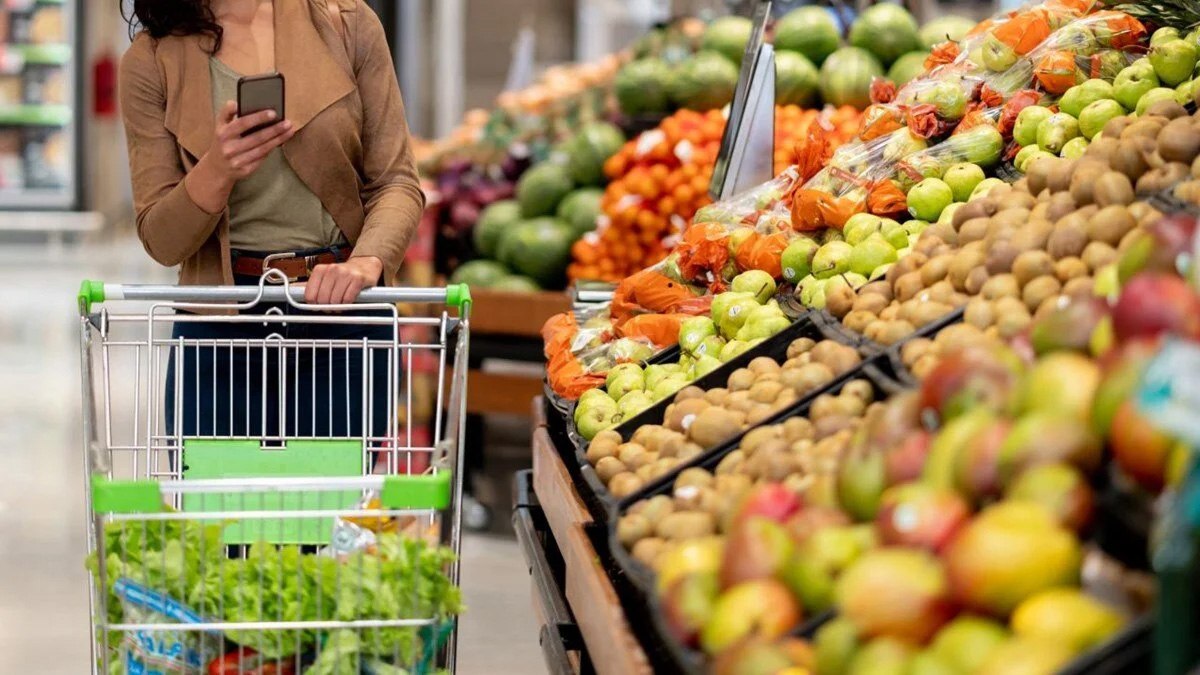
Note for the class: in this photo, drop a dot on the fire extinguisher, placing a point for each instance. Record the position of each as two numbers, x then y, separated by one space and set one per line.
104 83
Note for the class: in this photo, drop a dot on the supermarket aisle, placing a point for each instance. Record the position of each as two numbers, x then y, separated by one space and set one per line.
43 606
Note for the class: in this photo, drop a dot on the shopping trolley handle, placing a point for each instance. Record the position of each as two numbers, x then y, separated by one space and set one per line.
91 292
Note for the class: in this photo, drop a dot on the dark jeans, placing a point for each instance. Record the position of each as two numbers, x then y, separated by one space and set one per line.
241 391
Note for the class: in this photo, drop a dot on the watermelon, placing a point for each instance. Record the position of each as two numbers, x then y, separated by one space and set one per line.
846 77
497 217
810 31
795 80
479 273
641 87
515 283
907 67
589 149
580 210
541 188
887 31
539 249
944 28
704 82
728 36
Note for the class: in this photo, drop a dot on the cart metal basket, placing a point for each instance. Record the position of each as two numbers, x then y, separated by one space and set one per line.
257 502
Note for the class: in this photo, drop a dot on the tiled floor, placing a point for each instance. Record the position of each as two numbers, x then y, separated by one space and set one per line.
43 586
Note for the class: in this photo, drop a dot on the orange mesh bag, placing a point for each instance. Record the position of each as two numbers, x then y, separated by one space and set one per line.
648 291
704 247
1056 71
662 330
1025 31
879 120
886 199
763 252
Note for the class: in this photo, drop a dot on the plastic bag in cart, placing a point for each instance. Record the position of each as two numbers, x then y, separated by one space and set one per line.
161 652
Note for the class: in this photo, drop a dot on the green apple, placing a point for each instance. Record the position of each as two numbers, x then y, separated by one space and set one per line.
894 234
997 56
1055 131
1132 82
621 370
1025 154
832 258
796 260
1164 34
981 144
712 346
594 399
809 288
633 403
983 188
658 372
666 387
1185 93
870 254
758 283
732 350
1025 129
860 226
1173 60
705 365
962 179
915 226
928 198
1074 148
947 215
1153 96
736 313
1097 113
1081 95
595 420
721 303
947 98
625 383
694 330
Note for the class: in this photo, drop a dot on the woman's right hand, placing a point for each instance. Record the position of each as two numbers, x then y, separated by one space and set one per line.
231 157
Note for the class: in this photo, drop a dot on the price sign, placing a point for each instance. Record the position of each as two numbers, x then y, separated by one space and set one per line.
1169 394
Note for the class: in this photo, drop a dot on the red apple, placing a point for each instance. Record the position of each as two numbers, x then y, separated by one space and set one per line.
1122 368
920 516
897 592
769 500
1138 448
688 605
1068 327
813 518
977 464
756 548
1155 303
969 378
905 461
763 608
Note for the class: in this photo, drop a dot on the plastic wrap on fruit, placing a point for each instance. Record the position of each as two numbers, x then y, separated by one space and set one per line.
704 247
818 209
880 120
763 252
885 198
1013 107
650 292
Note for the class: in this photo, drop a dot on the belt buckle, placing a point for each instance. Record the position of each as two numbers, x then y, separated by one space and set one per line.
266 265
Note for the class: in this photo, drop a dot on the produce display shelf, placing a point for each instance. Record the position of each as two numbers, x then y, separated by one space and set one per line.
35 115
590 594
561 642
42 55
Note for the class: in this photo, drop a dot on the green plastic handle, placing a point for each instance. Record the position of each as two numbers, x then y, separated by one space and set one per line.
458 295
90 292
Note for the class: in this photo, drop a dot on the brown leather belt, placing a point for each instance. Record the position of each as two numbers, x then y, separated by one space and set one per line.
297 267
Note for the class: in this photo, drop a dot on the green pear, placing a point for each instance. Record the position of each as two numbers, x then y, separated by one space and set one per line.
997 56
860 226
658 372
1132 82
855 279
711 346
633 403
1097 114
1185 93
705 365
1173 60
625 383
1153 96
736 313
831 259
797 259
947 215
721 303
694 330
1026 155
666 387
871 253
895 234
1082 95
1025 129
984 186
1054 132
758 283
732 350
621 370
1074 148
927 199
962 179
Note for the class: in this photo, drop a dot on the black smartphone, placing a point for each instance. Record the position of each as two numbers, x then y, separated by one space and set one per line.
260 92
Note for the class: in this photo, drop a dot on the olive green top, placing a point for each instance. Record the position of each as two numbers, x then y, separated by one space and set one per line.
272 210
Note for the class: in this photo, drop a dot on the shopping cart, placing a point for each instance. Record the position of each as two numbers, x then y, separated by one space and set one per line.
289 530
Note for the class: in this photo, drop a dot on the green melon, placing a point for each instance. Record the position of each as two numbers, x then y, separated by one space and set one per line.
642 87
728 36
589 149
810 31
887 31
479 273
907 67
541 188
944 28
580 210
539 249
846 77
497 217
704 82
515 283
795 80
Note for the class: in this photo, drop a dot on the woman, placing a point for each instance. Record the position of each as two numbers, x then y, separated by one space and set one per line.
329 196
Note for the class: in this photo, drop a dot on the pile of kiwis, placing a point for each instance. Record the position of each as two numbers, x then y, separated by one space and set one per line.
921 355
697 420
799 452
1020 250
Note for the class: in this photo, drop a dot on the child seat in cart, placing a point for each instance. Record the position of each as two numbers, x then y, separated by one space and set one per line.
258 503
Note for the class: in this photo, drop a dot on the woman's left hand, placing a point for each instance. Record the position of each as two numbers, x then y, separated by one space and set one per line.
340 284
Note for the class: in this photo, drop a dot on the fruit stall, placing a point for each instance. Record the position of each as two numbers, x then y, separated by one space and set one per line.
922 403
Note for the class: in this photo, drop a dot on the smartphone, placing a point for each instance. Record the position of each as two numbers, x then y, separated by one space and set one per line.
260 92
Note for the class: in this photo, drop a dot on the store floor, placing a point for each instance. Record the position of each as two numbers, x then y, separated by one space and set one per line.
43 601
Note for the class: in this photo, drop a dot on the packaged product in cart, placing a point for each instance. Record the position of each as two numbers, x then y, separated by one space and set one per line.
160 652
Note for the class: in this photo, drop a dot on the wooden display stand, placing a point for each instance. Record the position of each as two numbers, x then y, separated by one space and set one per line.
507 326
610 643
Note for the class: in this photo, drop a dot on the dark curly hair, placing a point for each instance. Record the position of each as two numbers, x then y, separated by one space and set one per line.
161 18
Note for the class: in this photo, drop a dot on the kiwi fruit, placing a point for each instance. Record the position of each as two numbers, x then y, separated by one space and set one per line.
908 286
895 331
1038 290
1013 217
890 311
935 270
1010 324
1069 268
1079 287
1144 127
1032 264
1083 182
942 291
979 313
881 288
1166 108
869 302
1113 187
761 365
944 231
1188 192
1162 178
1010 305
607 467
800 346
1110 224
1179 141
1067 240
1000 257
740 380
688 393
1059 178
1114 127
1130 157
961 266
909 263
1060 205
1195 170
1001 286
1097 254
973 230
926 313
976 278
858 320
1032 236
1037 173
1101 148
978 208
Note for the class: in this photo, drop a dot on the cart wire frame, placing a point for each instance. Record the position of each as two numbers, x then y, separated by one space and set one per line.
145 475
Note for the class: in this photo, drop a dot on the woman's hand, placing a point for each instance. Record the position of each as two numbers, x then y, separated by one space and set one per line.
340 284
231 157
